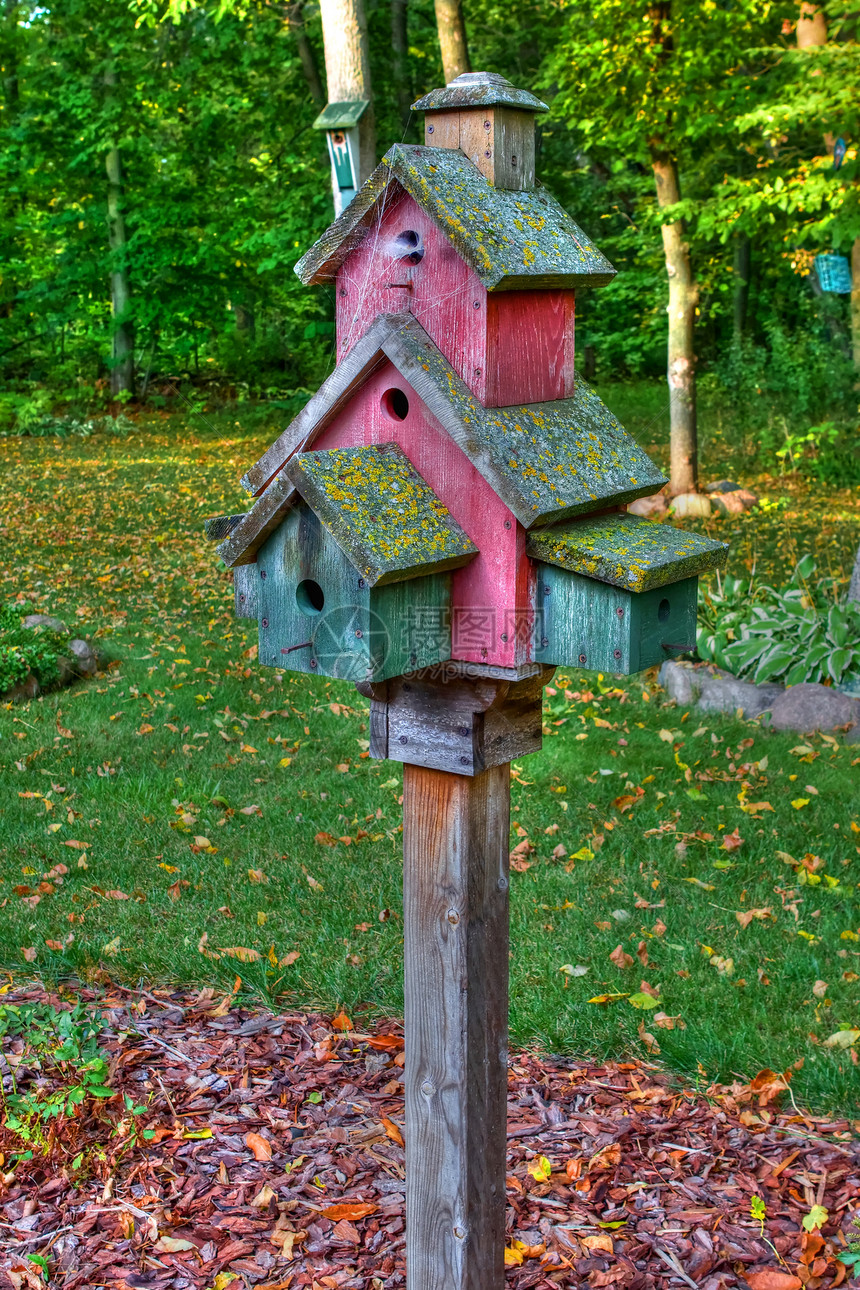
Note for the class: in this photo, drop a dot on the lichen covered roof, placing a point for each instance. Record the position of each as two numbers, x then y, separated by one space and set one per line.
627 551
510 239
385 518
547 461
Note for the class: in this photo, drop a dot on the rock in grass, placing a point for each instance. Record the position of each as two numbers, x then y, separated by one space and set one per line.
811 706
691 506
734 503
722 486
22 691
649 506
680 682
45 620
713 690
725 693
84 658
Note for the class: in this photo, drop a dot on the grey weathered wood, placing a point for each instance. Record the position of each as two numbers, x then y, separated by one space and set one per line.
245 586
854 584
478 89
461 725
455 913
220 526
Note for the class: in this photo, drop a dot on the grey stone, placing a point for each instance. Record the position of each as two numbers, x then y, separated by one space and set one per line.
83 658
22 691
67 669
725 693
810 706
44 620
679 681
722 486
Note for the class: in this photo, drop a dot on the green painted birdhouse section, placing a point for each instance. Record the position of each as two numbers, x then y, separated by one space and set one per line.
318 614
617 593
580 622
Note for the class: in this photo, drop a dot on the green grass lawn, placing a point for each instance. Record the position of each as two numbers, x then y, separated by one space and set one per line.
186 789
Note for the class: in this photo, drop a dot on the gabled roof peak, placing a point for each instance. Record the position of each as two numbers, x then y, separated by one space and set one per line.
513 240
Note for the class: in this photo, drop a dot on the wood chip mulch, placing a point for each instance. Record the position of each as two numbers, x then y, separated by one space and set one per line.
277 1162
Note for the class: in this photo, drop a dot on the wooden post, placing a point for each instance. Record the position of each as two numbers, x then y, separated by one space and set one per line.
455 889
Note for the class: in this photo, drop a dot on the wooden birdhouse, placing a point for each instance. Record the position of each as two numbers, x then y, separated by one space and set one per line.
444 522
451 495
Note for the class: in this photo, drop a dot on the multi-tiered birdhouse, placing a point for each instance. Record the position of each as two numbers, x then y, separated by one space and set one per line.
452 495
442 523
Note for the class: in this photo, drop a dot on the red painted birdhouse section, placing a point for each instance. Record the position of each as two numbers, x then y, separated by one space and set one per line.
508 346
490 596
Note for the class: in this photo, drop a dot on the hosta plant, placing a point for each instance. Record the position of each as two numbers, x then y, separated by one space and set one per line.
797 633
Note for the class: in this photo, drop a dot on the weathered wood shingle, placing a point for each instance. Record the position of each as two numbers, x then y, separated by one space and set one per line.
627 551
511 239
384 517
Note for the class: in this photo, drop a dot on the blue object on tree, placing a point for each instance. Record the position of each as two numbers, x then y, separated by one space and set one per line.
840 147
834 273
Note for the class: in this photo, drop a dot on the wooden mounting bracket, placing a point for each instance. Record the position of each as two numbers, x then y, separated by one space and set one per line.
458 724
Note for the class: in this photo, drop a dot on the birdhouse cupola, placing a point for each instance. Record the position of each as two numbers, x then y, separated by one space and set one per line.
487 118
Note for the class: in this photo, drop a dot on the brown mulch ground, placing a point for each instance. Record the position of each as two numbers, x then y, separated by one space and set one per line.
277 1162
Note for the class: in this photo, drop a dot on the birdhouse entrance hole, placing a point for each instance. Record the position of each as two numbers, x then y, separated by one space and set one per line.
395 405
310 597
408 247
663 610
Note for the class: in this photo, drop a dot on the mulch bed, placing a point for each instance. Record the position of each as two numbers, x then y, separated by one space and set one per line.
277 1162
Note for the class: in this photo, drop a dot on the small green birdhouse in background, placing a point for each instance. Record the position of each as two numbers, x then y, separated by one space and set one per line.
340 122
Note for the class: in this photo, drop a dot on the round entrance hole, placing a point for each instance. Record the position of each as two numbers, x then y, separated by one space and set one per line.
395 405
309 597
663 610
408 247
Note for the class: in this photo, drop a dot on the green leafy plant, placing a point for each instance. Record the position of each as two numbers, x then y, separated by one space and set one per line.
827 452
851 1257
58 1049
799 633
23 650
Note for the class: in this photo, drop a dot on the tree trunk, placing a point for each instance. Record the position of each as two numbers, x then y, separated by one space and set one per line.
10 111
296 24
811 26
741 278
347 69
122 366
400 60
452 38
683 294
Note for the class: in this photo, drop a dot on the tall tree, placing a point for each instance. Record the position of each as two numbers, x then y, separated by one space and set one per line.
293 12
122 340
656 83
452 38
347 69
400 57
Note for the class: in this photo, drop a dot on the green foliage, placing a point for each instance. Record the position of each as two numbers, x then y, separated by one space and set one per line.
23 650
798 633
59 1047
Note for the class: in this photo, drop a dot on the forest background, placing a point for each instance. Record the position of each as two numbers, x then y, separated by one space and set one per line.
160 176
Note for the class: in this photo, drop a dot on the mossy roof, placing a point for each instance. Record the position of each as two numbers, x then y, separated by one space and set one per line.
384 517
627 551
546 461
510 239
